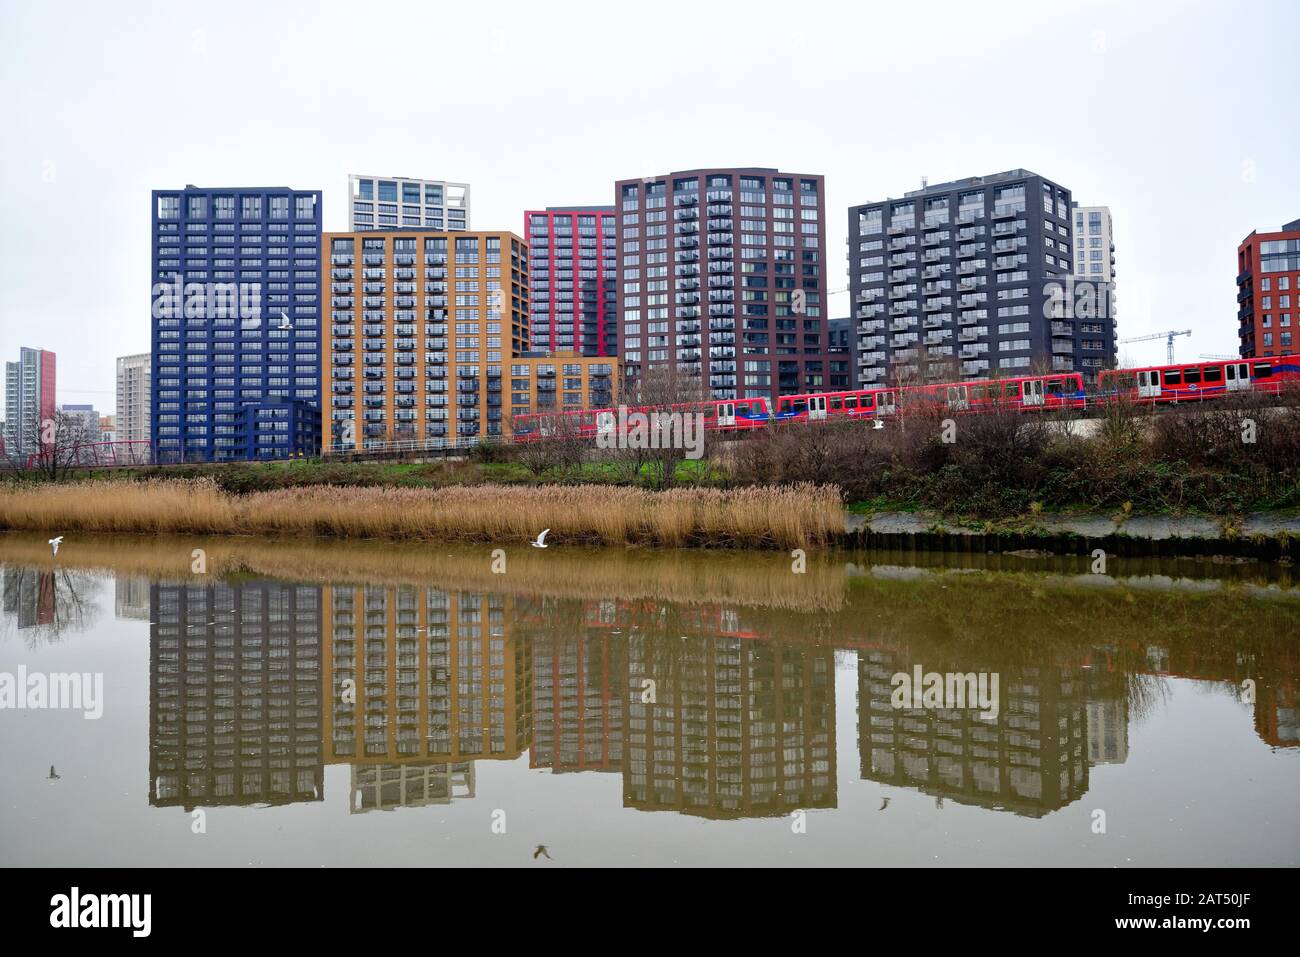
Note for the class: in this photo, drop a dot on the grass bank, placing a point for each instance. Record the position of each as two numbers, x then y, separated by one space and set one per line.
788 516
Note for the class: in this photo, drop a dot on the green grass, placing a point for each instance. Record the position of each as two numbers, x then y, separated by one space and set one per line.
245 477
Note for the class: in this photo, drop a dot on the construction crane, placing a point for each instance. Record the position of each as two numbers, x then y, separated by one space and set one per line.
1210 355
1169 336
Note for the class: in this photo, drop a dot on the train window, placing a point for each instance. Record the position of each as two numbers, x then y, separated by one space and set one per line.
1012 389
1124 380
1192 376
1263 370
850 402
1174 377
1055 387
868 402
1213 374
799 406
783 405
836 403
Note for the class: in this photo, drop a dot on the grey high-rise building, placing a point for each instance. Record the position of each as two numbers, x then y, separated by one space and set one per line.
972 279
29 400
133 399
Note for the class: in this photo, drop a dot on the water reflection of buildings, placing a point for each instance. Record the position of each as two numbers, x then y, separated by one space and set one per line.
422 682
235 694
257 685
580 689
715 724
131 597
29 595
1031 759
736 727
1277 714
382 787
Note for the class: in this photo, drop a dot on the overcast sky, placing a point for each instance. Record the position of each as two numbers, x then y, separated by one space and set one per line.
1182 117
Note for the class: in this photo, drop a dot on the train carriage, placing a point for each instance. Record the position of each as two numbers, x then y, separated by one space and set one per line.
1197 381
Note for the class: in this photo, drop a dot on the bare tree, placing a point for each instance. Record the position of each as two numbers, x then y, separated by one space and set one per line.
555 443
56 445
660 390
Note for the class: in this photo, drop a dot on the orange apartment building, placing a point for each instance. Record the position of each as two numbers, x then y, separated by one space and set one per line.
427 342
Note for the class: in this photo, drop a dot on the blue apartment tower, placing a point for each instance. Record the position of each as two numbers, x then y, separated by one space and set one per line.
236 324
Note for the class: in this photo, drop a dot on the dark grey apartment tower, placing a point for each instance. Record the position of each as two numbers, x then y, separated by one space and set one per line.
839 355
722 276
972 279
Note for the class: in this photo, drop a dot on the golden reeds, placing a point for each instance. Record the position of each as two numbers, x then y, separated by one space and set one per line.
796 516
751 579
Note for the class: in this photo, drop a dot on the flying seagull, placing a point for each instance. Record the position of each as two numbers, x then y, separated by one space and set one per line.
53 776
884 803
541 539
541 849
285 323
55 543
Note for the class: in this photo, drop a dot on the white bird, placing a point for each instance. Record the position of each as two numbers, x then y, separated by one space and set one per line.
285 324
55 543
541 539
879 424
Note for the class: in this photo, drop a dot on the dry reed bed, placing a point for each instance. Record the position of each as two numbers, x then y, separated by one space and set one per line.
790 516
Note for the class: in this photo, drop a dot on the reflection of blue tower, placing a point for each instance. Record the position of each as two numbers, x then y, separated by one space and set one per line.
235 694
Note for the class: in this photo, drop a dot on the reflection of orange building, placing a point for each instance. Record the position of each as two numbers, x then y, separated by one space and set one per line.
724 727
434 675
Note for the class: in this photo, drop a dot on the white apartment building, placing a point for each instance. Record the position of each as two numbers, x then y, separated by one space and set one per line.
1094 247
132 422
391 202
